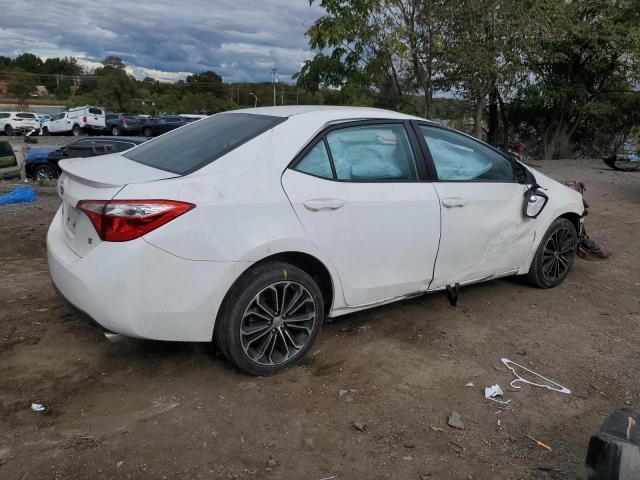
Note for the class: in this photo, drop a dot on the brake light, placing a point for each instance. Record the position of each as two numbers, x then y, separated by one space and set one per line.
124 220
84 119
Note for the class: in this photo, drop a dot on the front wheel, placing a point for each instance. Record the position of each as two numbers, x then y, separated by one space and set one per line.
270 318
147 132
76 131
555 255
8 131
45 173
115 131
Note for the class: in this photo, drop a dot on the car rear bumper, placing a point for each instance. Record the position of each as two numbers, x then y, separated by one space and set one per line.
138 290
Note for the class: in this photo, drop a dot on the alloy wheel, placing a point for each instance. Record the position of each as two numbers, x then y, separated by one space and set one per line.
278 323
559 253
44 174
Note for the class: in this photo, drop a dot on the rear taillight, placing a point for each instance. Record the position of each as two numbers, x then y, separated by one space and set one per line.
84 119
124 220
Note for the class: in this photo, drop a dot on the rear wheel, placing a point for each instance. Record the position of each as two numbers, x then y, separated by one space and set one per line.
147 132
270 318
45 131
76 131
115 131
45 172
8 131
555 256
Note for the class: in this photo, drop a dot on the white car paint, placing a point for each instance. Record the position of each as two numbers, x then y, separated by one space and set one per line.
384 241
87 118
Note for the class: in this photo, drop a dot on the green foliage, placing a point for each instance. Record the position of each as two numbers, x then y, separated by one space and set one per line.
20 84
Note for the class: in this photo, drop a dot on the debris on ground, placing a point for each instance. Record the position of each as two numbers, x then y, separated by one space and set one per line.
490 393
38 407
455 420
538 442
361 427
470 384
342 393
21 194
556 387
436 429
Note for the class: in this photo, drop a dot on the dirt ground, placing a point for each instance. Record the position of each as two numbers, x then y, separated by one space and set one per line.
141 409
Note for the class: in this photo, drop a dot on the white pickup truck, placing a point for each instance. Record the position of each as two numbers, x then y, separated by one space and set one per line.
76 121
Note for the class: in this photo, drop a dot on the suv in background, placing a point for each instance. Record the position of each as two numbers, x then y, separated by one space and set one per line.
157 126
42 163
119 123
18 122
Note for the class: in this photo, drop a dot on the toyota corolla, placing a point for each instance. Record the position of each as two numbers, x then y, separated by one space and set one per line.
251 227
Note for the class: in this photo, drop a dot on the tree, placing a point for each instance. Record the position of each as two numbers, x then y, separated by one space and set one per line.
573 72
21 84
113 61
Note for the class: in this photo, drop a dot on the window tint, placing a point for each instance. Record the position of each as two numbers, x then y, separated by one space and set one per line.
57 116
459 158
25 115
95 111
111 117
200 143
101 148
5 115
316 162
371 153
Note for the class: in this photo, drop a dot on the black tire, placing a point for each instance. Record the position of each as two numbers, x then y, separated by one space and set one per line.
8 131
76 131
287 339
555 255
45 131
116 131
147 132
45 172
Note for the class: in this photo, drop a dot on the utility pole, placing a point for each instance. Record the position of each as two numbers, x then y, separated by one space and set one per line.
238 94
282 94
273 80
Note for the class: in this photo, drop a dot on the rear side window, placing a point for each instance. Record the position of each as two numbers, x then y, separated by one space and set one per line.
316 162
26 115
95 111
200 143
122 146
111 117
5 115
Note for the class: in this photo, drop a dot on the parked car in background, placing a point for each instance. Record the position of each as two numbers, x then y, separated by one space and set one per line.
42 163
18 122
189 117
248 227
9 167
122 123
157 126
77 120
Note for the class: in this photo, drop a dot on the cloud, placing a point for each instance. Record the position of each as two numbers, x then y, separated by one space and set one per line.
241 40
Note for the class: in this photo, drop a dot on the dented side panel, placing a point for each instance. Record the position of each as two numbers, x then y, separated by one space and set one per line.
484 233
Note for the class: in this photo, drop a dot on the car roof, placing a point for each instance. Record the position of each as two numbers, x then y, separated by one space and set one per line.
327 111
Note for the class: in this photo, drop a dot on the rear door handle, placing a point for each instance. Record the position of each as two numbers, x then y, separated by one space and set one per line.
318 204
452 202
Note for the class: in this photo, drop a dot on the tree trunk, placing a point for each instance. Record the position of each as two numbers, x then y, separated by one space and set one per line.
505 123
492 134
477 118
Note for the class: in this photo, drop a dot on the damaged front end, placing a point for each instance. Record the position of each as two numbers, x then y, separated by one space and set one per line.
586 246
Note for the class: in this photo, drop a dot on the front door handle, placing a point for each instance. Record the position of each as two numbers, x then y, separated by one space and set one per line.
318 204
452 202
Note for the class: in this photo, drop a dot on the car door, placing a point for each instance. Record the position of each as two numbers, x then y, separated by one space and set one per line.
58 123
484 232
360 193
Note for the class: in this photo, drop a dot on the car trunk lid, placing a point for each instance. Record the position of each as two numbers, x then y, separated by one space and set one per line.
99 178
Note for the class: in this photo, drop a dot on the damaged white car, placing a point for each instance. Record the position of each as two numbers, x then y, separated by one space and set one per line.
250 227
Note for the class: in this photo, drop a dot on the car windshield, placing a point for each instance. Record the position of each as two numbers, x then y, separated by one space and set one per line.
192 147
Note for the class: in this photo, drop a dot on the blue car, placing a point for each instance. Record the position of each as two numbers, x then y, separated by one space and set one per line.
42 163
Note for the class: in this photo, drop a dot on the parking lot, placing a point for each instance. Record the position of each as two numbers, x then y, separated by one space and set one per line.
171 410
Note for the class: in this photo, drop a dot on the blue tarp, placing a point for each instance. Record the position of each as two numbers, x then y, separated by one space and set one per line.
23 193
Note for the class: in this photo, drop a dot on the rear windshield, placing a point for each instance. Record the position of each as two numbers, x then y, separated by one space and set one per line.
192 147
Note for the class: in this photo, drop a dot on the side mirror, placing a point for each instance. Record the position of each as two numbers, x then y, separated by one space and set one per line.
534 202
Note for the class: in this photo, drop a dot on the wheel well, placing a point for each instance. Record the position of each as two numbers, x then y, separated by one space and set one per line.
311 265
573 218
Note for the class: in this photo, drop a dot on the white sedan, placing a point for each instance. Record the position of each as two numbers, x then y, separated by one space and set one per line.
250 227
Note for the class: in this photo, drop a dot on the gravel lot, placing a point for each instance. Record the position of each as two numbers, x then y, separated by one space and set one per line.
141 409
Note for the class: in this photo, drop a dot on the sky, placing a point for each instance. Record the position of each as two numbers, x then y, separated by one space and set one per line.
241 40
